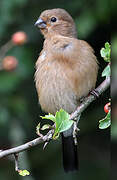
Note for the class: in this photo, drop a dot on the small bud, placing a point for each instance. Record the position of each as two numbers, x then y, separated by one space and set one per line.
9 63
19 38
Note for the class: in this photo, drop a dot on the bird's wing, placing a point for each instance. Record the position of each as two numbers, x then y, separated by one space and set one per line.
78 62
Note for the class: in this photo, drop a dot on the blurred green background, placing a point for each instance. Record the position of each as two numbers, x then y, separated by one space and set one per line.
19 109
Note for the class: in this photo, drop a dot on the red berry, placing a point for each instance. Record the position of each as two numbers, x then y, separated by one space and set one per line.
9 63
19 38
107 107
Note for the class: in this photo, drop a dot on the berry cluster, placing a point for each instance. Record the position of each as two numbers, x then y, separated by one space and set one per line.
10 63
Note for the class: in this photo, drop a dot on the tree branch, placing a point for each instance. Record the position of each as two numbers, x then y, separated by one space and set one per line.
27 145
100 89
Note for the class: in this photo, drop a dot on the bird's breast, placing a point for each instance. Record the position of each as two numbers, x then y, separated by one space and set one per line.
53 87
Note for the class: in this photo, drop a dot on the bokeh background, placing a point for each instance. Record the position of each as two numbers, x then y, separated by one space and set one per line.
19 109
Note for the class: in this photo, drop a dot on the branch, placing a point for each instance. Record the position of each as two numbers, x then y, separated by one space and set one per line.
27 145
100 89
5 48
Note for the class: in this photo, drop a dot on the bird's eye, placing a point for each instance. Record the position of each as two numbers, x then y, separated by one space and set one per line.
53 19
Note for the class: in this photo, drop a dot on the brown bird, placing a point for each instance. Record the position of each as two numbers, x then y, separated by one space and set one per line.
66 71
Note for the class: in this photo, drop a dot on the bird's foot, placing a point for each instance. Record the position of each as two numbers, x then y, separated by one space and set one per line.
48 137
95 93
82 99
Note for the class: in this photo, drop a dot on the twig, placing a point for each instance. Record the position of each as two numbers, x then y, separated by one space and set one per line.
100 89
5 48
16 162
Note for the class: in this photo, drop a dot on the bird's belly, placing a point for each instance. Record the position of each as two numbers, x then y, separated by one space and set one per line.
55 92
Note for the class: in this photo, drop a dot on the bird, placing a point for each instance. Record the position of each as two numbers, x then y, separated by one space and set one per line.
66 71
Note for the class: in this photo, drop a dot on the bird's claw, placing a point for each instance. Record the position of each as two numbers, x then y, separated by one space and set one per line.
95 93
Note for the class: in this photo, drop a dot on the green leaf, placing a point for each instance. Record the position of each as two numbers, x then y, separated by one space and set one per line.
24 172
63 122
106 122
50 116
56 135
107 71
46 126
107 45
102 52
106 52
38 129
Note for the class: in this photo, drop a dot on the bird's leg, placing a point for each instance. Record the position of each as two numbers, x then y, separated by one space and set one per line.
48 138
75 129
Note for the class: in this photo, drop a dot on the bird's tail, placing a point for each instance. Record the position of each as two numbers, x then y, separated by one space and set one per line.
70 156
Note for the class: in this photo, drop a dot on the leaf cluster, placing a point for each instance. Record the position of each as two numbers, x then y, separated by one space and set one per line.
61 121
106 54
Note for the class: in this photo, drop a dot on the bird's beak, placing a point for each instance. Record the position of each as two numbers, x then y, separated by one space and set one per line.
40 23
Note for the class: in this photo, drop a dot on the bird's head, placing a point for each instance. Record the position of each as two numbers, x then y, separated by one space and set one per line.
56 21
